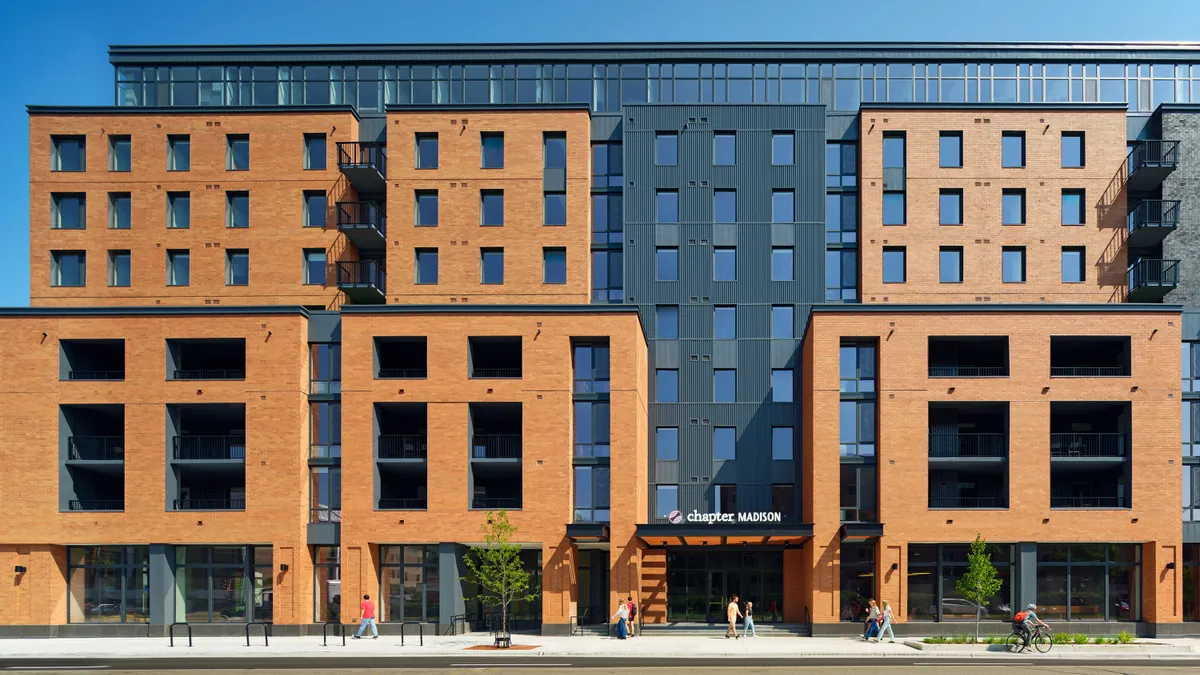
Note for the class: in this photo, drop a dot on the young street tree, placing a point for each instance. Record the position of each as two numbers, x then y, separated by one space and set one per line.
979 583
497 567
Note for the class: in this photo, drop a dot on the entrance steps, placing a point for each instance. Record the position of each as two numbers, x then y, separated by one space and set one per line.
763 630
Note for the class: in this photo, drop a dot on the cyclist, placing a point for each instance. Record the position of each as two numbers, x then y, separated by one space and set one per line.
1031 621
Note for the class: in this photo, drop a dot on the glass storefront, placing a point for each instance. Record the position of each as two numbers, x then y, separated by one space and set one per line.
857 583
1080 582
327 584
108 584
700 584
1191 582
216 584
933 572
522 614
408 583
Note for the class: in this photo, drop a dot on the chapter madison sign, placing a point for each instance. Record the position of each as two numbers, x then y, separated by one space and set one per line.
676 517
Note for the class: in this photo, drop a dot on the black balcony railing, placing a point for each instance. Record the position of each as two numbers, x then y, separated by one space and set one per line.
209 504
1152 153
1154 213
386 504
1087 445
496 446
968 371
209 447
403 373
967 445
496 503
361 274
404 446
96 505
1059 502
214 374
363 154
1151 272
496 373
967 503
96 375
96 448
362 215
1087 371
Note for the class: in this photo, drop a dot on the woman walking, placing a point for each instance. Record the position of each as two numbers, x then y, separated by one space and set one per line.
748 624
872 625
622 616
886 623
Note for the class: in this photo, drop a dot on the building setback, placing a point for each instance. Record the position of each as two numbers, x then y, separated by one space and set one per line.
793 322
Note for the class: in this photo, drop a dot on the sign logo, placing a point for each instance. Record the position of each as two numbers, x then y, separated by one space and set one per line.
743 517
675 517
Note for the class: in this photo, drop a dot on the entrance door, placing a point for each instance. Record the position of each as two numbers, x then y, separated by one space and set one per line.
716 595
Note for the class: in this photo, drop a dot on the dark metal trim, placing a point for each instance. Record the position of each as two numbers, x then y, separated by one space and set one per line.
490 309
591 531
499 107
935 105
861 531
187 110
54 312
984 308
735 530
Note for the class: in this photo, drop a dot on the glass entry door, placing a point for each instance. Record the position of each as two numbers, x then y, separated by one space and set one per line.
700 584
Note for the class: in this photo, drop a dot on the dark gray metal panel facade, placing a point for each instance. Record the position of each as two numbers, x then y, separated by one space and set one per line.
606 127
1184 184
696 354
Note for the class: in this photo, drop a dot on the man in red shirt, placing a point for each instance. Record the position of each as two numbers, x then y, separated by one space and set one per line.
367 609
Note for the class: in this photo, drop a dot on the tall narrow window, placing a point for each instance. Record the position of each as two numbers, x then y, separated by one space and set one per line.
314 152
1013 264
895 211
950 150
427 151
179 210
725 148
554 265
950 262
724 206
426 214
724 443
1073 265
950 207
724 263
783 206
666 148
426 266
237 209
237 152
1072 150
666 385
724 385
491 208
783 263
1012 206
179 152
666 322
315 206
554 150
783 322
895 264
119 271
237 267
725 322
314 266
179 268
120 153
1073 210
1012 149
554 211
893 150
667 264
119 210
783 148
782 442
782 385
666 444
491 150
491 266
667 206
666 500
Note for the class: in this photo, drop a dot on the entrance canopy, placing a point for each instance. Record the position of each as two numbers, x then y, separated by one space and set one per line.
724 534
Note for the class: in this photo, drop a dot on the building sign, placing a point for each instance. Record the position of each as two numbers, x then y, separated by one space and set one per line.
676 517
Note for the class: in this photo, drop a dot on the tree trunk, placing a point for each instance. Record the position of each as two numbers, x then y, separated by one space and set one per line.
978 611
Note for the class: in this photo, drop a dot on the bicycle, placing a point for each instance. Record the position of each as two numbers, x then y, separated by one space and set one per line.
1041 640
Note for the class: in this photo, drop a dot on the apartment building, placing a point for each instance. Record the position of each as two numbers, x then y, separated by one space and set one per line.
796 325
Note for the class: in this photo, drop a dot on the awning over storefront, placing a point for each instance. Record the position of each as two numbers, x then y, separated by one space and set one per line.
587 532
861 532
722 534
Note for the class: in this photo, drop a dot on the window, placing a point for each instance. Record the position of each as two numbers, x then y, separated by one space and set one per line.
666 444
841 218
608 276
724 385
1012 149
237 267
237 152
666 149
491 150
950 149
1073 207
118 268
409 583
592 368
666 500
554 265
1073 265
666 322
591 429
491 266
950 207
666 264
68 268
591 494
893 150
1191 368
783 264
555 210
856 368
841 275
857 422
894 210
724 148
667 207
426 208
783 500
1012 263
950 265
724 264
554 149
237 209
933 574
724 206
725 322
325 368
426 266
783 206
179 152
783 322
725 498
68 153
218 584
325 494
427 151
119 153
724 443
68 211
895 265
841 164
1072 150
179 268
314 266
782 442
782 388
315 205
1089 582
179 210
119 209
1012 206
607 219
314 151
491 207
666 385
783 148
607 165
108 584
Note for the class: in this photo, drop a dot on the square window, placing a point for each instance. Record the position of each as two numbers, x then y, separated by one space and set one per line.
893 150
783 264
666 444
118 269
724 206
68 268
724 385
667 207
666 322
1073 212
1073 261
1012 206
725 322
554 150
950 149
666 500
724 264
491 150
237 152
179 152
426 213
724 444
724 148
119 210
950 265
555 210
68 211
68 153
179 210
237 267
491 208
1012 263
783 322
895 265
1012 149
666 261
315 208
426 266
120 150
893 208
427 151
1072 150
237 209
666 149
179 268
782 386
783 148
666 385
783 206
950 207
314 266
491 266
554 265
782 442
314 151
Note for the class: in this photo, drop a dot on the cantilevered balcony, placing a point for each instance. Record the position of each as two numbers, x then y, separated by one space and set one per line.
363 223
1150 280
1149 162
1150 221
363 281
364 164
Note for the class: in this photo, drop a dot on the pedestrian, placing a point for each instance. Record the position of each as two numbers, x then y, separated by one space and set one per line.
622 616
872 626
366 609
632 617
732 613
748 625
885 623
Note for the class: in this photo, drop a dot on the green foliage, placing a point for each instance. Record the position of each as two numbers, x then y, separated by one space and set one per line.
1125 637
993 640
1104 640
961 639
979 583
497 567
1060 638
1079 639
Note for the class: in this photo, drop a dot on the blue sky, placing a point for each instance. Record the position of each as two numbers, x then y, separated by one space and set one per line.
56 50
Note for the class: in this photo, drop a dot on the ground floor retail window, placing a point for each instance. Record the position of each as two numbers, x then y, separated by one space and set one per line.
408 583
933 573
701 583
1191 582
215 584
1079 582
327 584
522 614
108 584
857 584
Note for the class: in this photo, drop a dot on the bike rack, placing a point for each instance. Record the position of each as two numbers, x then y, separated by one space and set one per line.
186 625
420 630
266 631
341 630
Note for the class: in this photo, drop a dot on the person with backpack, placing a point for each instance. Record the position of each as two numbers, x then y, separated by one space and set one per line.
632 617
1025 621
872 627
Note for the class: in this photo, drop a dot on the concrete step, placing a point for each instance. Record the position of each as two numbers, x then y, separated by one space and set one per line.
701 629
